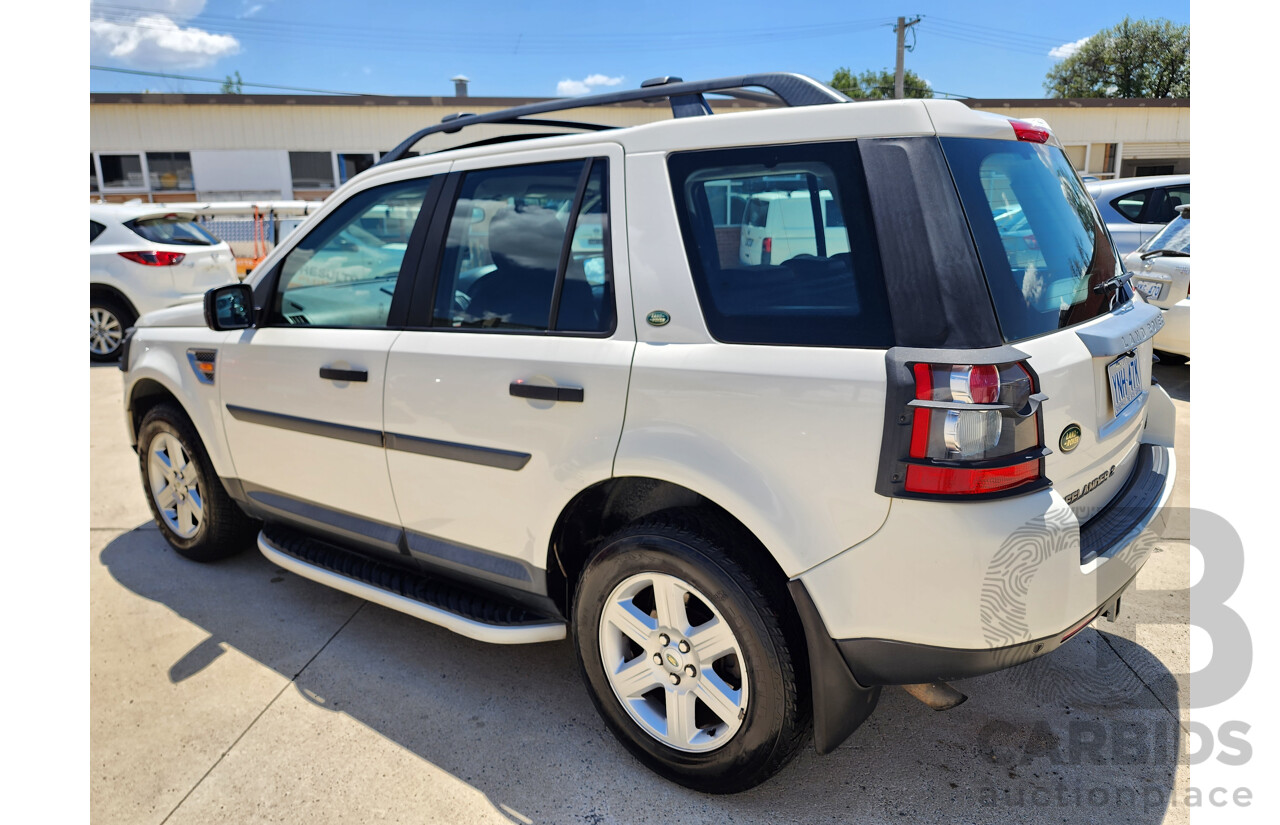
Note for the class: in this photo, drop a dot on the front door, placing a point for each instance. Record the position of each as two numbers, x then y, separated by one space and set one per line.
302 392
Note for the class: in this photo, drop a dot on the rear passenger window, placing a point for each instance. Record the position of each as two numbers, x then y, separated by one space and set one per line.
801 267
1130 205
527 250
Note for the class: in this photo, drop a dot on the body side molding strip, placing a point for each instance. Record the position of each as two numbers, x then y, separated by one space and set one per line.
488 456
310 426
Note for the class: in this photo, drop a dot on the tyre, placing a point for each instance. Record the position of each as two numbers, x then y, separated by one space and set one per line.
689 658
109 319
194 512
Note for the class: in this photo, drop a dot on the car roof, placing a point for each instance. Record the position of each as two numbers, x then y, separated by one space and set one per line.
1122 185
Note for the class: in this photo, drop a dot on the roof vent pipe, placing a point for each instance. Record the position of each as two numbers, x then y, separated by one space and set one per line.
460 85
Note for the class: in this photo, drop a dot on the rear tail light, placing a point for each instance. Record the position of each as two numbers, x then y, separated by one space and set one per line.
767 245
975 430
154 257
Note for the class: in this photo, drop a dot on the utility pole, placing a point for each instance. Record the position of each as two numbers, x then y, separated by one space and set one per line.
901 29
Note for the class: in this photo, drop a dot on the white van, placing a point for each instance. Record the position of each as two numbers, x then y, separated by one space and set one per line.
777 226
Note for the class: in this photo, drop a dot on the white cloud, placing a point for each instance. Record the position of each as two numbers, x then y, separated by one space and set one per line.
250 11
152 35
573 88
1067 49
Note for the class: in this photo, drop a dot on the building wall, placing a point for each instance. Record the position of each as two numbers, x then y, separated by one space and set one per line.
239 145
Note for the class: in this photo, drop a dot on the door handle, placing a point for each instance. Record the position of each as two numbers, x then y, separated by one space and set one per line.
333 374
541 393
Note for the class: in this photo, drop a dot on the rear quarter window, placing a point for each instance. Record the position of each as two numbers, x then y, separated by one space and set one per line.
95 229
820 284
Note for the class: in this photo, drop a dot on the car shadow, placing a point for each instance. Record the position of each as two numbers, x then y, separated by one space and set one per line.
1175 378
1059 739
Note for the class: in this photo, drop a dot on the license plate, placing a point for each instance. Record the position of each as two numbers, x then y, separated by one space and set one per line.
1149 288
1125 380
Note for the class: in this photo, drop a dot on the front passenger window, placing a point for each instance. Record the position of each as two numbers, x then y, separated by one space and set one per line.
344 273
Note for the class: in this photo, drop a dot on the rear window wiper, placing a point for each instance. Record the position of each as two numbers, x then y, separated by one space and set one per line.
1160 253
1113 283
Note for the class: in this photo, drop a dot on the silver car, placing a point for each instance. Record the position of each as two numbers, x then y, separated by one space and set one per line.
1134 209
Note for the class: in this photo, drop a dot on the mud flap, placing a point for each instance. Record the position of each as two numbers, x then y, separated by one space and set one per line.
840 704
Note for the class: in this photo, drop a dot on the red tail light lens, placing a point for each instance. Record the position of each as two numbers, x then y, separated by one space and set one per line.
957 481
1029 132
154 257
767 245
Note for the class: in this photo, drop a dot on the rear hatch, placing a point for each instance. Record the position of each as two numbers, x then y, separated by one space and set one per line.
1087 341
207 262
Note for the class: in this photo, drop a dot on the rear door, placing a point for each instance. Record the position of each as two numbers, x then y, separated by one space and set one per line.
507 397
303 391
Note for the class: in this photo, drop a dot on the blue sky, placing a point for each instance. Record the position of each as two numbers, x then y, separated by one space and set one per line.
541 49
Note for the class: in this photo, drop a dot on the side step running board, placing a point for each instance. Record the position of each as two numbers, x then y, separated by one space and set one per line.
421 596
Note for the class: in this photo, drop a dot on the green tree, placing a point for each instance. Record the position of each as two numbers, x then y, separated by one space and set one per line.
878 85
1136 58
233 85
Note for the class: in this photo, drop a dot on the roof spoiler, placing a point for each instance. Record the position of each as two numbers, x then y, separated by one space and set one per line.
686 101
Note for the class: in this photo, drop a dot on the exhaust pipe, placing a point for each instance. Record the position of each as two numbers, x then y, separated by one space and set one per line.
937 695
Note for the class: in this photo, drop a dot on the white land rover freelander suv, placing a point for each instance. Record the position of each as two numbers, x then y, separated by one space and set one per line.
753 493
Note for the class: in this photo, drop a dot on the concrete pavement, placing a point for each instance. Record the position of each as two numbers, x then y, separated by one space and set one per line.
238 692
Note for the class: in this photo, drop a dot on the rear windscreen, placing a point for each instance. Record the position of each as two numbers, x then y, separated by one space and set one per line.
172 231
1042 248
815 279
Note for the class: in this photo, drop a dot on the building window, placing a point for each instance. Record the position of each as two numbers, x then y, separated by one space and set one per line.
122 172
352 164
170 171
311 170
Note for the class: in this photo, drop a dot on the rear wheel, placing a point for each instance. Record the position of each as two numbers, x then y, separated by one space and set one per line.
686 656
194 512
109 319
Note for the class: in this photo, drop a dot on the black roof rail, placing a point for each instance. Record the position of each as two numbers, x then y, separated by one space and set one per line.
686 101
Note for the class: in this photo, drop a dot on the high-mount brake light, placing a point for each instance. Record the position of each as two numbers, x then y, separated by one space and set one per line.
975 430
1029 132
150 257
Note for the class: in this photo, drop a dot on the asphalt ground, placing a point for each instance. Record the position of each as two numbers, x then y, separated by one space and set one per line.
238 692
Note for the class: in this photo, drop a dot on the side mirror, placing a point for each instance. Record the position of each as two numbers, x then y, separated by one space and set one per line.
229 307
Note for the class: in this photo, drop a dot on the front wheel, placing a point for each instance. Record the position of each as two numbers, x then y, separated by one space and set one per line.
688 657
194 512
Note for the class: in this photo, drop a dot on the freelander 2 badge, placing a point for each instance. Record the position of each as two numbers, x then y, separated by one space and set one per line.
1070 438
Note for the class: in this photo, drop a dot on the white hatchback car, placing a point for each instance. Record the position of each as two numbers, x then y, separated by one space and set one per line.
1161 270
144 257
753 493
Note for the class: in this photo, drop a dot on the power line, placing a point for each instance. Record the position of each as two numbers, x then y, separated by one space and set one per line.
398 39
220 82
